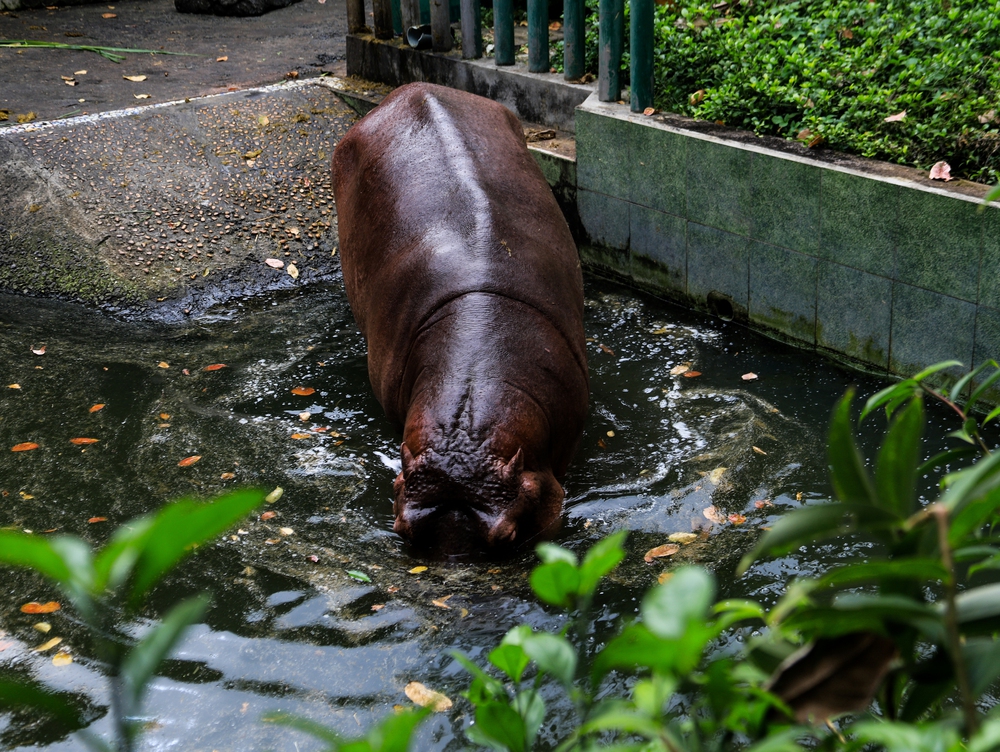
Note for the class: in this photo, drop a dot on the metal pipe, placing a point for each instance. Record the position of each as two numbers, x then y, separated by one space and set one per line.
641 55
472 30
538 36
356 16
574 50
503 31
609 60
440 26
383 19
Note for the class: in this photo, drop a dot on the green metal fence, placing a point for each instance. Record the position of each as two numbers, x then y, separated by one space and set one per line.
419 19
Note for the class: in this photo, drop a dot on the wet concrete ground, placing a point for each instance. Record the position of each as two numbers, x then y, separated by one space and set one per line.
304 39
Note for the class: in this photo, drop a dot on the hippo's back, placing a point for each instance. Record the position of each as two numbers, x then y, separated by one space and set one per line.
438 197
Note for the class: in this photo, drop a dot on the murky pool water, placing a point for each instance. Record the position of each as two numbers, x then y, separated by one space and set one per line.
288 633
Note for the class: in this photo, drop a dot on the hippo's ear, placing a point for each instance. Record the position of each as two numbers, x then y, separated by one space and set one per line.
514 468
408 460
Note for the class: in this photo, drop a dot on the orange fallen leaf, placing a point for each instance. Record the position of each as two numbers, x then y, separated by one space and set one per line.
940 171
26 446
427 698
303 391
608 350
301 435
378 606
749 376
714 515
34 607
164 416
667 549
83 440
227 476
39 351
94 520
62 658
763 503
441 602
13 386
737 519
678 370
758 450
47 645
222 59
109 15
95 408
215 367
188 461
163 364
691 374
268 515
649 111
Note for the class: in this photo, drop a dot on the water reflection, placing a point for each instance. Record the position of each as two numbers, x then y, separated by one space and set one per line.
289 629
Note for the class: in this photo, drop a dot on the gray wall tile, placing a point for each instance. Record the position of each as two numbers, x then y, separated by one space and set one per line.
659 248
717 261
854 313
786 201
783 291
858 222
928 327
718 186
602 154
658 161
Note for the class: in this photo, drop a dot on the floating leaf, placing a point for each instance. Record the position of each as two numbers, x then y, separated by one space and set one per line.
136 79
95 408
163 364
268 515
39 351
305 416
608 350
109 15
758 450
667 549
749 376
48 645
275 263
227 476
737 519
418 570
301 435
142 96
286 530
164 416
34 607
215 367
13 386
222 59
714 515
293 271
378 606
691 374
682 538
716 475
274 495
83 440
303 391
188 461
427 698
763 503
62 658
94 520
360 576
25 446
43 626
441 602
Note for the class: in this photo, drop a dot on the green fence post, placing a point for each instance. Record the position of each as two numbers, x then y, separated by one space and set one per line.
538 36
641 54
609 54
503 31
574 50
472 30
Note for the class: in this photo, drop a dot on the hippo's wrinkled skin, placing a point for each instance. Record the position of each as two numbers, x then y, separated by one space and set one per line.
464 279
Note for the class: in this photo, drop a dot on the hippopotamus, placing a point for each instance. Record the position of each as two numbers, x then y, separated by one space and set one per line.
465 281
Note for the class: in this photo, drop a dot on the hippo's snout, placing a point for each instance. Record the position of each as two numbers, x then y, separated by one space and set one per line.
456 530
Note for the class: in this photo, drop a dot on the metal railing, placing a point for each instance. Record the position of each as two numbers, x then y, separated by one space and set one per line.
396 17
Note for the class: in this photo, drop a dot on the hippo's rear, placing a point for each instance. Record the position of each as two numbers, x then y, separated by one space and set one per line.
464 279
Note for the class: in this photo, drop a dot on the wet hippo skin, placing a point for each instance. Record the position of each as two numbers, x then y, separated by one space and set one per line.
464 279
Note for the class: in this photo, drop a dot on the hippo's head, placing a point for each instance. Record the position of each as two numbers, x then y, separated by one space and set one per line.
464 504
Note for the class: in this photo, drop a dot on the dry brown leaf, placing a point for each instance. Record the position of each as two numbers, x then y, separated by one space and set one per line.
698 97
763 503
95 520
649 111
268 515
682 538
109 15
48 645
34 607
39 351
987 117
285 530
716 475
897 118
95 408
714 515
749 376
427 698
163 364
13 386
275 263
667 549
608 350
26 118
737 519
301 435
80 73
25 446
62 658
276 494
142 96
664 576
188 461
378 606
293 271
441 602
83 440
136 79
303 391
43 626
418 570
758 450
691 374
227 476
222 59
215 367
678 370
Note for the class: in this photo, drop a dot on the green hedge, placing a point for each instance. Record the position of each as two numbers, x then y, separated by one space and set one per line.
836 69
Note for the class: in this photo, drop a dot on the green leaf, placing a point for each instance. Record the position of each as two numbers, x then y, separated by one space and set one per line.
15 694
945 458
556 583
781 741
987 739
501 723
977 604
550 552
897 393
814 523
314 729
980 390
181 526
553 654
531 707
394 732
359 576
905 737
965 485
490 687
511 659
971 515
895 477
993 194
992 414
115 562
142 660
668 610
955 394
602 557
982 659
33 552
937 367
851 483
916 568
619 719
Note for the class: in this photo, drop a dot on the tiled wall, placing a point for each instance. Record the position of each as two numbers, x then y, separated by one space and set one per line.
896 276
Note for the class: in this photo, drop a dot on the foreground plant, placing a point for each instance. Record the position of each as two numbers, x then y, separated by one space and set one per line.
106 588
